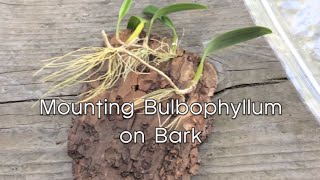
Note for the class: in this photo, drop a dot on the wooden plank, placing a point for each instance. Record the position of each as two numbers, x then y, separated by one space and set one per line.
267 147
33 146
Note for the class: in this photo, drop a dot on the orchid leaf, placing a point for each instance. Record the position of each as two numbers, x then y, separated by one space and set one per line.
126 4
160 13
177 8
229 39
136 24
235 37
134 21
151 10
124 8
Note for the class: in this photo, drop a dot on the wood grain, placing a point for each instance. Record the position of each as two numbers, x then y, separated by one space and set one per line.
33 147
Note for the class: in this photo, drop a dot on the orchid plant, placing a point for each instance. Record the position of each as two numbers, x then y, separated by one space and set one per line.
133 55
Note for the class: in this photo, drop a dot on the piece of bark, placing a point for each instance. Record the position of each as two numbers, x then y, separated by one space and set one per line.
97 151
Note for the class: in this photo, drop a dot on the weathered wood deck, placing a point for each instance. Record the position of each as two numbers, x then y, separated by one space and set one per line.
33 147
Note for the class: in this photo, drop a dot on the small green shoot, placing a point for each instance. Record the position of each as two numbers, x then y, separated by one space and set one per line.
136 24
229 39
151 10
122 13
172 9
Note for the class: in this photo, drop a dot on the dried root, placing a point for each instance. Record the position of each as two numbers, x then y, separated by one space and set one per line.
83 65
86 65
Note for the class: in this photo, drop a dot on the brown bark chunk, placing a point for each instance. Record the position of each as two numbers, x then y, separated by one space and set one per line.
98 153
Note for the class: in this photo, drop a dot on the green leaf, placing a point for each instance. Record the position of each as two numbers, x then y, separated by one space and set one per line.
124 8
176 8
126 4
229 39
171 9
136 23
167 21
151 10
235 37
